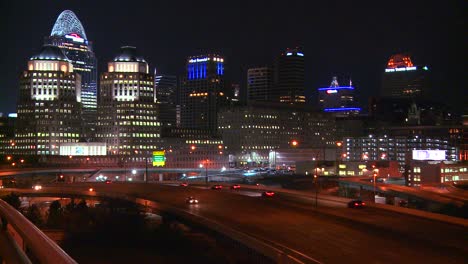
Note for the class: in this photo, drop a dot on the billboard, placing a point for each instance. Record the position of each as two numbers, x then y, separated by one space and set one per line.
429 154
159 158
83 149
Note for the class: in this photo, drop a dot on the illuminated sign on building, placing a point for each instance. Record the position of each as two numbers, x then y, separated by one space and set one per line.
199 60
413 68
429 155
341 109
333 91
159 158
337 88
83 149
75 37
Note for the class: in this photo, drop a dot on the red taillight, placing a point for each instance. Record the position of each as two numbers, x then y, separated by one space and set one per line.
356 204
363 203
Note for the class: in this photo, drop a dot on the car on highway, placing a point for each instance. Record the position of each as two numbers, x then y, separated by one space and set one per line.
268 194
216 187
37 187
184 184
108 181
235 187
356 204
191 200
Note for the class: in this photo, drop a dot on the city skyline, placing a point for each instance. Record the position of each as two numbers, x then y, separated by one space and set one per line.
358 48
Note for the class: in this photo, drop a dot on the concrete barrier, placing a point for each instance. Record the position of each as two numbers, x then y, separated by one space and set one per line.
41 246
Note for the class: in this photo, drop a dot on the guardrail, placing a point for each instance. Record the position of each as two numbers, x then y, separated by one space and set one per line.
18 236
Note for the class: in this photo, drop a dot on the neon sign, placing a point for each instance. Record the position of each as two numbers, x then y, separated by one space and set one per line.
342 109
75 37
199 60
332 91
413 68
337 88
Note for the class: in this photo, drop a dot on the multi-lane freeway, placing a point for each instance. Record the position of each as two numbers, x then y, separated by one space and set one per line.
330 233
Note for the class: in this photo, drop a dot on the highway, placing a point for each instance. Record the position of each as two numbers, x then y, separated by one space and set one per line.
328 234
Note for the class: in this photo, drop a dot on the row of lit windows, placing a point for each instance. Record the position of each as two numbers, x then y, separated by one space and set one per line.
204 142
138 123
445 170
259 147
260 116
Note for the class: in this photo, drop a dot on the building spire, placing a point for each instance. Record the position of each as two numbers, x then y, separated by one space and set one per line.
334 82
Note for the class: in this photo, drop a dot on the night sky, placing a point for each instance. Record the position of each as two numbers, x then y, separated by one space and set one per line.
343 38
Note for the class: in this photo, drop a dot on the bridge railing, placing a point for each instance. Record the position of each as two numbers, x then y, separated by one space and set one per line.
22 242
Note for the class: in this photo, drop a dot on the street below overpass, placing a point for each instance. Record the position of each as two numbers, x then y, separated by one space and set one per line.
330 233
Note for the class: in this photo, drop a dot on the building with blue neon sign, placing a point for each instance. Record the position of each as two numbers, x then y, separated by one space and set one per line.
202 92
338 99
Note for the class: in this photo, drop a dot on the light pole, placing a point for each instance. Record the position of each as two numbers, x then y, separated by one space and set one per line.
206 171
315 180
146 170
316 188
375 175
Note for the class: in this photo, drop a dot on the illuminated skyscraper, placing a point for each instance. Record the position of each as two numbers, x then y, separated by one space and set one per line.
69 35
289 77
202 92
127 112
165 88
49 110
260 84
402 79
338 99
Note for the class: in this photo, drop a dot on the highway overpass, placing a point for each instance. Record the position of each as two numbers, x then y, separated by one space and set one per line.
290 224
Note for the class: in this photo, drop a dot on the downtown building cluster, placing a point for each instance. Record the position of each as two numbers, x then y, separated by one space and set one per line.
67 115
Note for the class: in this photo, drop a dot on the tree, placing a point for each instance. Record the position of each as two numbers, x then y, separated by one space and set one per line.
34 215
54 219
13 200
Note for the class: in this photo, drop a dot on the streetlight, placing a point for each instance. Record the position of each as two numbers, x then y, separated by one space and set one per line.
375 175
206 171
316 188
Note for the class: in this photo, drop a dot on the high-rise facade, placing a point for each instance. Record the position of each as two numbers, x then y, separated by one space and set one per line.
250 132
260 84
403 79
127 112
289 77
49 109
202 92
338 99
165 87
69 35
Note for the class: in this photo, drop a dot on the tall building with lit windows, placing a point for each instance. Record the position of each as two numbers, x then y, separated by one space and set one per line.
403 79
166 96
251 132
69 35
49 109
127 112
260 84
289 77
202 92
